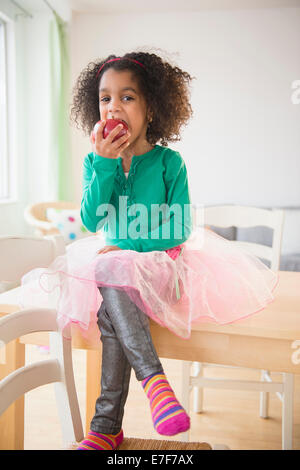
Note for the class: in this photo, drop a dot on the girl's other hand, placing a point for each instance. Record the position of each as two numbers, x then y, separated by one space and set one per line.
106 147
107 248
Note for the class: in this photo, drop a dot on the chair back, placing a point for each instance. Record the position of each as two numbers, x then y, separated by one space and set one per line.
246 216
39 210
18 255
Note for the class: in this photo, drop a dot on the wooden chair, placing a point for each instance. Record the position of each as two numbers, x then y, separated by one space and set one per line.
243 216
18 256
58 370
35 215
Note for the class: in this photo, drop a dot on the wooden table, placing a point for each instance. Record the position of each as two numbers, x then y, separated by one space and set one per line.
268 340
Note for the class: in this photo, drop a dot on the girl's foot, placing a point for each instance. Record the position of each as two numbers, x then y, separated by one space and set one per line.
168 416
101 441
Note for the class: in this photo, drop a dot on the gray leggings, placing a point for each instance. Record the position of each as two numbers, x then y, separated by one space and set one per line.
126 343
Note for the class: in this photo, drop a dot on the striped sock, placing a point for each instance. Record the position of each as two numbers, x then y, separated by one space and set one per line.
168 416
101 441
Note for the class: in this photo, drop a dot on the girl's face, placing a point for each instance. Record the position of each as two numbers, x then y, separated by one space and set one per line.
120 98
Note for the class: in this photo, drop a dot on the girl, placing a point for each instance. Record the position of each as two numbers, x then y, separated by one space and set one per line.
154 265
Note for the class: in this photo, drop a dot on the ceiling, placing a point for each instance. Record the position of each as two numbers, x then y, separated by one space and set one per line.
175 5
154 6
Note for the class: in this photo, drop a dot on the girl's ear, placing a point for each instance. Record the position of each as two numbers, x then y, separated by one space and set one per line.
149 115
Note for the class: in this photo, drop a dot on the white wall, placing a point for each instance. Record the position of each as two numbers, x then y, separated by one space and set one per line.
243 144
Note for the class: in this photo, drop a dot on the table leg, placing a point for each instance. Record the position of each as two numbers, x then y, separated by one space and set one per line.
12 420
93 386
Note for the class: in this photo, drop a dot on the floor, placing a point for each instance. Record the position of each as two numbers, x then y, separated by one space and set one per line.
229 417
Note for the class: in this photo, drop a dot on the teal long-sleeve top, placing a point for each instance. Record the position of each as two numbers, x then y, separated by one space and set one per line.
150 210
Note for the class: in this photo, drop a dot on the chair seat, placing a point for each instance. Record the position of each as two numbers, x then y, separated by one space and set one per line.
131 443
155 444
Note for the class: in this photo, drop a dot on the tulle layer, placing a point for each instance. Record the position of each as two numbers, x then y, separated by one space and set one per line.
208 280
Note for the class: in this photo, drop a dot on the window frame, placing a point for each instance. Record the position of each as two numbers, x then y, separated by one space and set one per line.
4 174
8 165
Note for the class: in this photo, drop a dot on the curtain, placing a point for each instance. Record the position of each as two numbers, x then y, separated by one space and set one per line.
60 95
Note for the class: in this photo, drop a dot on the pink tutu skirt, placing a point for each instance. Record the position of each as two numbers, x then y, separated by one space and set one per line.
205 279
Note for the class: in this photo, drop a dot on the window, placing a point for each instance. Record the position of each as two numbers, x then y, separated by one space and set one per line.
4 177
8 163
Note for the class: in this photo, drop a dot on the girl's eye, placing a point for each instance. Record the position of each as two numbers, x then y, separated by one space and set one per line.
129 98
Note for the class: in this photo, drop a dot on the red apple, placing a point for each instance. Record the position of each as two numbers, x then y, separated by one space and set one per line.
109 126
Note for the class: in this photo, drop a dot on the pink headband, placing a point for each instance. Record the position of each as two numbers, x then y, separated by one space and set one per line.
119 58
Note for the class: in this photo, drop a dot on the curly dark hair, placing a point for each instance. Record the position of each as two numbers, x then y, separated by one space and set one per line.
164 87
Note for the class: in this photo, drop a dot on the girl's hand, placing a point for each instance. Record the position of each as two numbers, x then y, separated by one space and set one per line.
105 249
106 147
